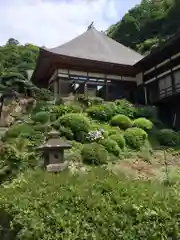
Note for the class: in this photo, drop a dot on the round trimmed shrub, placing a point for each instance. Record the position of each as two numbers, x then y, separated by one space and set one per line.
143 123
168 137
135 137
94 154
119 139
111 146
77 123
19 129
61 110
41 117
121 121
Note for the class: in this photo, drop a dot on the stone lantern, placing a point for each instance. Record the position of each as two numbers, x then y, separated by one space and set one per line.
53 152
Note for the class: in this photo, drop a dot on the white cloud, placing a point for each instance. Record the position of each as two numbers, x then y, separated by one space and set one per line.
53 22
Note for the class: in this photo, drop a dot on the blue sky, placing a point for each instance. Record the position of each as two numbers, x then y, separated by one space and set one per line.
52 22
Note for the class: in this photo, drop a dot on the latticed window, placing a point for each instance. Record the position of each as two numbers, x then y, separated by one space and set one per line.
165 86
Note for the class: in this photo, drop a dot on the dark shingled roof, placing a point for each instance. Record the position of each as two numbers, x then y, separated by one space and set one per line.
97 46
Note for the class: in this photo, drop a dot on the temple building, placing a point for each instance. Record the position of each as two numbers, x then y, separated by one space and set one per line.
96 65
161 81
92 63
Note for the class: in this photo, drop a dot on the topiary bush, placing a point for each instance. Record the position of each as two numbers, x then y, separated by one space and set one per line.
135 137
40 117
121 121
16 130
168 137
111 146
119 139
144 124
78 123
94 154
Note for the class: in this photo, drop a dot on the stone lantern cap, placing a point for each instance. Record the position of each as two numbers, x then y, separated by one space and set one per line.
54 142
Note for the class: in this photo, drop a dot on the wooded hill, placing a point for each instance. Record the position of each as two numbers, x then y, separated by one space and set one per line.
147 25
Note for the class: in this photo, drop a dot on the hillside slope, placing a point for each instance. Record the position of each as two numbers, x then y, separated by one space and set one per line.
147 25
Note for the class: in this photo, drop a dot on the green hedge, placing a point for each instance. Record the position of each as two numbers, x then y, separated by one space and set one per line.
111 146
135 137
121 121
94 154
168 137
95 205
78 123
119 139
40 117
144 124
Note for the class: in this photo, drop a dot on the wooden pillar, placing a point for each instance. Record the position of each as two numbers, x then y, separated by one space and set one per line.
172 77
145 95
106 90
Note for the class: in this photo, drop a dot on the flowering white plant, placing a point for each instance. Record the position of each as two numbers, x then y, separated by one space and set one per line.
95 135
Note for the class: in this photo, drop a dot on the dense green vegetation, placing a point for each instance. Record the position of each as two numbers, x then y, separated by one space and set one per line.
15 58
96 205
147 25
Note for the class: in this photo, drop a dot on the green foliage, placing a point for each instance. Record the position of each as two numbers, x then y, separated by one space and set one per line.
66 132
78 123
150 24
16 130
102 112
111 146
125 107
95 100
94 154
119 139
96 205
143 123
121 121
16 59
43 94
61 110
135 137
168 137
149 112
40 117
12 161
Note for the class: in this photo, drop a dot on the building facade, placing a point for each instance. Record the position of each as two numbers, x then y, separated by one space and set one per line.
96 65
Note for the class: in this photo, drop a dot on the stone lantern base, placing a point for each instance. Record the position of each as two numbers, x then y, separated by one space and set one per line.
55 168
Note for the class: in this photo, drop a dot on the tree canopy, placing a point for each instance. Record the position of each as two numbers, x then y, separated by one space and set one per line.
147 25
15 58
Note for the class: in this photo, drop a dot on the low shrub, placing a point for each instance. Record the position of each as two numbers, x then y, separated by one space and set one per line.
119 139
111 146
58 111
13 161
125 107
66 132
43 94
40 117
144 124
135 137
96 205
102 112
121 121
78 123
94 154
168 137
95 101
16 130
